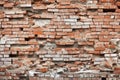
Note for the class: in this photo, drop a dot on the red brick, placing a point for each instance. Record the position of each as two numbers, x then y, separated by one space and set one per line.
44 69
2 69
107 1
8 5
94 52
2 2
48 1
39 7
73 69
33 78
1 14
117 70
102 39
100 48
86 43
118 3
37 31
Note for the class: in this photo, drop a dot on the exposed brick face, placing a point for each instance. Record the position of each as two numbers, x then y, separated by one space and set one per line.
61 39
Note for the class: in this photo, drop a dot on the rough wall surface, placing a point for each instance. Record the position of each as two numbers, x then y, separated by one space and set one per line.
59 39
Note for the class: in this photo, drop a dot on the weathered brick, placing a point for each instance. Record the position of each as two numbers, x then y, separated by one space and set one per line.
59 39
117 70
8 5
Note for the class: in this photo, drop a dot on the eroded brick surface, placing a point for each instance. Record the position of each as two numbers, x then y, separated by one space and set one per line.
59 39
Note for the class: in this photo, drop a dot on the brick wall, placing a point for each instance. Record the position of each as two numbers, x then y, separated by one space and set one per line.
59 39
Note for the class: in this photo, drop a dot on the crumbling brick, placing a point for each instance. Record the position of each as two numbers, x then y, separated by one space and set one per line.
59 39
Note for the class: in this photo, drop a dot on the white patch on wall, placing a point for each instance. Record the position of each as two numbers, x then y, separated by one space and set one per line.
49 46
3 39
42 22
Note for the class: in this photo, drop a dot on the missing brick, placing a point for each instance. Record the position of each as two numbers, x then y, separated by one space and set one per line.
101 55
40 39
109 10
13 55
118 7
27 39
65 46
78 1
76 13
114 64
103 78
21 29
23 77
32 56
1 28
1 7
36 35
78 19
92 10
